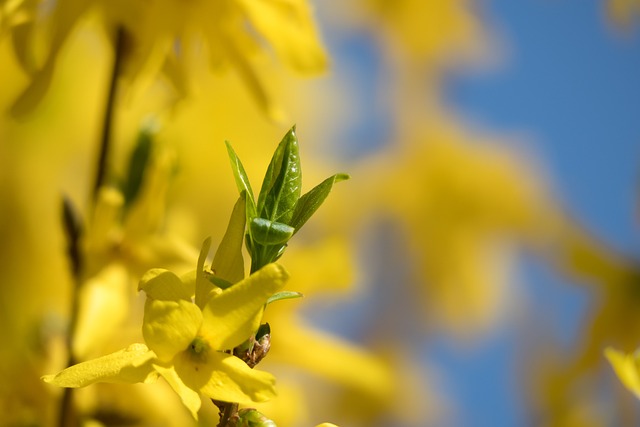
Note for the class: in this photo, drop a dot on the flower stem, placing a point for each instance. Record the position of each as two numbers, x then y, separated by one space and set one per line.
227 411
105 142
68 416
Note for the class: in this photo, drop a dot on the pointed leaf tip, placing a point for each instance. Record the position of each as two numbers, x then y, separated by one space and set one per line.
309 203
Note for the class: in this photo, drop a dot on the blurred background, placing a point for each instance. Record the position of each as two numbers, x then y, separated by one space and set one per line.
471 272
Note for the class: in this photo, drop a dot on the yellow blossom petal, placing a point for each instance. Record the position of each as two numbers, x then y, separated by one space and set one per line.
289 28
65 17
189 396
22 35
233 315
335 360
105 217
148 210
130 365
170 326
163 285
251 79
627 367
326 425
221 376
103 305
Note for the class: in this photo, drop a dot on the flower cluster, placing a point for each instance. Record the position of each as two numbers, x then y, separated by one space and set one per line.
186 341
203 332
166 37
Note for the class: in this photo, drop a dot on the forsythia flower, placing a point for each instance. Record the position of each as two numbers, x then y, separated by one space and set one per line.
430 29
463 205
124 237
186 340
167 35
627 367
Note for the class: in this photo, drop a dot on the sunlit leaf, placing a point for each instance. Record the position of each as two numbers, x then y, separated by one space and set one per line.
283 181
242 180
284 295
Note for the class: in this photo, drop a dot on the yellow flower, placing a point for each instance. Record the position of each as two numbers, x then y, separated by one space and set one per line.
123 240
627 368
168 36
430 29
463 205
186 341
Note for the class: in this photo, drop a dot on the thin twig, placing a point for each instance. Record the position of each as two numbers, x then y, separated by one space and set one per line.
105 142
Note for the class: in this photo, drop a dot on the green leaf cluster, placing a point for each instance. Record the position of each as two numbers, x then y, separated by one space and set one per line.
280 210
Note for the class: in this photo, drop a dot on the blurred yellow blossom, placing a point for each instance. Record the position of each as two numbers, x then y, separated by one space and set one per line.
464 205
123 239
186 341
626 367
168 36
614 318
431 30
325 267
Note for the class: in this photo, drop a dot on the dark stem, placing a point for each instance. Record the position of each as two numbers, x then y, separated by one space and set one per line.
227 411
73 231
105 142
68 416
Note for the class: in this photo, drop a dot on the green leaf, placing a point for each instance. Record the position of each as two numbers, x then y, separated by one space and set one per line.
249 417
138 163
284 295
282 183
270 233
218 281
228 263
242 180
309 203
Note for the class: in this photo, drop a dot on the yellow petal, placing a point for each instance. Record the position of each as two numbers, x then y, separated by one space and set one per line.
335 361
163 285
233 315
66 15
250 78
626 367
189 396
22 35
326 425
327 266
105 219
35 91
221 376
147 212
169 326
289 28
130 365
103 307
